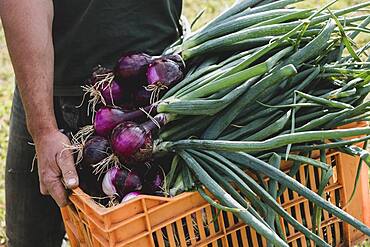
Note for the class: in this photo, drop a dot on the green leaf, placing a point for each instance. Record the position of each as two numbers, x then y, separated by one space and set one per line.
345 38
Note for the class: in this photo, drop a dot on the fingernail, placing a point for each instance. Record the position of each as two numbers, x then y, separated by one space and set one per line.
71 182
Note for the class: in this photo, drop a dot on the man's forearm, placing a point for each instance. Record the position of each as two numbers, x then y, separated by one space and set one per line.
28 30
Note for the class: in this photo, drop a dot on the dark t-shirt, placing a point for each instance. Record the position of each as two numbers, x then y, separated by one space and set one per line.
91 32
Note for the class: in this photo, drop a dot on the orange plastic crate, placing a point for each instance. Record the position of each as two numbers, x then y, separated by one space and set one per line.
188 220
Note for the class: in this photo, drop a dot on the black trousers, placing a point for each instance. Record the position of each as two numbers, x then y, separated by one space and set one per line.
31 218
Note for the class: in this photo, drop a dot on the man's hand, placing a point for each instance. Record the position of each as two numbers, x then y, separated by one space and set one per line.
56 166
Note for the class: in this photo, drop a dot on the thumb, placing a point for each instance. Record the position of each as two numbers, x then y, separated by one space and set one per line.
66 164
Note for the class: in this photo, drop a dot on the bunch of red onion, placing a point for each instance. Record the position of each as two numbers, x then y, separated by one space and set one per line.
120 141
124 185
136 78
112 155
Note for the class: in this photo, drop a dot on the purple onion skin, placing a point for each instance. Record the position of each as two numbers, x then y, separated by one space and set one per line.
177 59
130 196
133 182
145 152
118 177
90 183
128 106
142 97
112 94
164 72
119 181
153 182
132 143
95 150
106 119
132 67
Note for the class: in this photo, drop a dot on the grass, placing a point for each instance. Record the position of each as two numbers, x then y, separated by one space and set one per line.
191 8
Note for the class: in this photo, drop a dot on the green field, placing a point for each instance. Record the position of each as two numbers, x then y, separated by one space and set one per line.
192 7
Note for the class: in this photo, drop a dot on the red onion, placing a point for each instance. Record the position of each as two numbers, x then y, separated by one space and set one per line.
130 196
95 150
114 181
112 93
128 106
89 182
132 143
106 118
163 73
133 182
177 59
131 67
142 97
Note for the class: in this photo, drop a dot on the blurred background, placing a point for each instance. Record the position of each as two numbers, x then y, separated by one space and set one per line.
191 9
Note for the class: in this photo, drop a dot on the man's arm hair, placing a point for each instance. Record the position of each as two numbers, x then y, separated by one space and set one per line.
28 29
